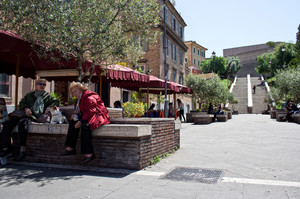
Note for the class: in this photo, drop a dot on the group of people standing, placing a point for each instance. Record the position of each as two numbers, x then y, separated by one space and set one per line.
89 114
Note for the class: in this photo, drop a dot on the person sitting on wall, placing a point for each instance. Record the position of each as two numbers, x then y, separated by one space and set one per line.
220 110
117 104
34 104
90 113
211 110
171 110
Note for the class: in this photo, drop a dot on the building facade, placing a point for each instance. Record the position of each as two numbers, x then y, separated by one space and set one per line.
194 56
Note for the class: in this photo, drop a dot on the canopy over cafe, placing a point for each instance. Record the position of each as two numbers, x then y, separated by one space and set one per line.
18 58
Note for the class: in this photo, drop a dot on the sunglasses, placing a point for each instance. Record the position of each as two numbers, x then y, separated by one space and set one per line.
41 84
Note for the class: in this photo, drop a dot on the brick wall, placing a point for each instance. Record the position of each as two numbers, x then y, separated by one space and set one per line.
111 152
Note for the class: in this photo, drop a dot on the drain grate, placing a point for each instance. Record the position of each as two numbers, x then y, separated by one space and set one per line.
194 175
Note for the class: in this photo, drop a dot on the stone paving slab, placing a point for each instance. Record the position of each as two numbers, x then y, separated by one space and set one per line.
262 154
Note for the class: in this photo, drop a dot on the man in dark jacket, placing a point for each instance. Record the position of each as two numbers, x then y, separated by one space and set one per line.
34 104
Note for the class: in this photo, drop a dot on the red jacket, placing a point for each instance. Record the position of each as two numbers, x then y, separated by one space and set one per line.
93 109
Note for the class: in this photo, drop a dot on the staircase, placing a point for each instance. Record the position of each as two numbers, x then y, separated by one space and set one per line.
240 92
259 96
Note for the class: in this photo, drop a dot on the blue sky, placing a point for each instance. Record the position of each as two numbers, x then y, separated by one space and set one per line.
221 24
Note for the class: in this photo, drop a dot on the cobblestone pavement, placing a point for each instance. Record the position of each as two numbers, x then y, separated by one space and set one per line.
251 155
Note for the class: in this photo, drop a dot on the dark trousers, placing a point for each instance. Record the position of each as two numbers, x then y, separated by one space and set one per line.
8 127
86 137
181 114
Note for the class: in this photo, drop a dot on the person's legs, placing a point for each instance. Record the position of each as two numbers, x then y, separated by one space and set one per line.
182 113
86 143
72 135
6 135
23 129
86 139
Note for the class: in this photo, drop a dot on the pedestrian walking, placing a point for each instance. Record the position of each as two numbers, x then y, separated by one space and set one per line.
254 88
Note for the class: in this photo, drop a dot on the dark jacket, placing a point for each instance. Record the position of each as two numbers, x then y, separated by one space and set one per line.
28 101
93 109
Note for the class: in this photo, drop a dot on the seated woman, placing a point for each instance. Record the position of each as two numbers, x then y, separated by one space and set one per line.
171 110
90 113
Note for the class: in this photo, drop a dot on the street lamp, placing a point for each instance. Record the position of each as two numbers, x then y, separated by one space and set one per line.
283 50
214 55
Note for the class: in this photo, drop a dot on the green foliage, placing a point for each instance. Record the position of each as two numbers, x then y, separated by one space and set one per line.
207 89
271 44
224 67
233 66
132 109
57 96
103 31
287 82
271 63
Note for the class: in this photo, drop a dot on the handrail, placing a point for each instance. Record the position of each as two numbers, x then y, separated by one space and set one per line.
231 89
249 94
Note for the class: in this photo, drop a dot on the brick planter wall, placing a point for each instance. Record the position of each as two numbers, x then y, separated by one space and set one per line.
126 152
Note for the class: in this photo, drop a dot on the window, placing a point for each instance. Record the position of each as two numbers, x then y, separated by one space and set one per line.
166 14
4 85
180 31
168 46
174 23
198 63
174 75
174 52
181 79
194 50
194 61
198 52
181 57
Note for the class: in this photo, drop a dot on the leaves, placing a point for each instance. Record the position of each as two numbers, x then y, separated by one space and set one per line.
100 31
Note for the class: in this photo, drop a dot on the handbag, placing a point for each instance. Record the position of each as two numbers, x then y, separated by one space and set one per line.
17 114
44 118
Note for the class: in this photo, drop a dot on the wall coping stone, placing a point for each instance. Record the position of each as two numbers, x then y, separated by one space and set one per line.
109 130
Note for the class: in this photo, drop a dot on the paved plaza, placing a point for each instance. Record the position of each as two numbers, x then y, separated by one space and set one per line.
253 156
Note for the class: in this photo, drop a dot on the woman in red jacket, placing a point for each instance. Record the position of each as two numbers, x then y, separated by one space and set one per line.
89 114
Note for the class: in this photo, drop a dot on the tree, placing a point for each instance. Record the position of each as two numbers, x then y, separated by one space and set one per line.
233 66
264 63
223 67
287 82
100 31
207 90
277 60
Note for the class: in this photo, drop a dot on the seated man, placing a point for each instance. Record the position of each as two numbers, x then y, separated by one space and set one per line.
34 104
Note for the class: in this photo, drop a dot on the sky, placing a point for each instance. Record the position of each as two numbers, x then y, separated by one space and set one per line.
222 24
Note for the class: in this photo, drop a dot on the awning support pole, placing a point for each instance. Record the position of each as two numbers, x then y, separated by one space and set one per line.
17 81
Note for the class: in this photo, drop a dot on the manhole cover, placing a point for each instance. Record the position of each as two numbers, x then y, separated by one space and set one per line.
194 175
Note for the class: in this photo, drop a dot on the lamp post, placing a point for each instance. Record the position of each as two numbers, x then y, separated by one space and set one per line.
283 50
214 55
165 61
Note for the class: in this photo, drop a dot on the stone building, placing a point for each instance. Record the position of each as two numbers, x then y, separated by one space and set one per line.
248 57
194 56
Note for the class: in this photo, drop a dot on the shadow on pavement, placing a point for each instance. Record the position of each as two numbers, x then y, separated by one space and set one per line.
15 174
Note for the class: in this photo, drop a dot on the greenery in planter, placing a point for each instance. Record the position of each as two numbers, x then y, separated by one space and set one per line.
133 109
57 96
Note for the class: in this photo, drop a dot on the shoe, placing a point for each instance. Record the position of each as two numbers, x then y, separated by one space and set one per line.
7 152
66 152
88 159
21 156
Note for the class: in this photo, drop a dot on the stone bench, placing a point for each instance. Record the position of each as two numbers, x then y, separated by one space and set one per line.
203 119
296 118
130 145
280 115
221 118
273 114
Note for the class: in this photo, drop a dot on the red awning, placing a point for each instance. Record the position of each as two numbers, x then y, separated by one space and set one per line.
182 89
155 86
13 46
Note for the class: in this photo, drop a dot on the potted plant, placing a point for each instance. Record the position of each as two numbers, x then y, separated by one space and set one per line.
134 109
